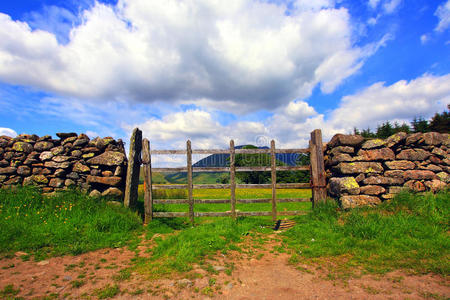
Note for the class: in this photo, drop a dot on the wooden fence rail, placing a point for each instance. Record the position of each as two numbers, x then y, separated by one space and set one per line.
317 183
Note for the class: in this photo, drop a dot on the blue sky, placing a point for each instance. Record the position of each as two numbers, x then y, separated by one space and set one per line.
215 70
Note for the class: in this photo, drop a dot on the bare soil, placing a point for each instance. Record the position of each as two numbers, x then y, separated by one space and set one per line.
256 273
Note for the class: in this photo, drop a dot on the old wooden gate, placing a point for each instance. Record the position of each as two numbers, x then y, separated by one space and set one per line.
316 167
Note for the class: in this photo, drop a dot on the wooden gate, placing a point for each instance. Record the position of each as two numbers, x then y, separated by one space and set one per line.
316 167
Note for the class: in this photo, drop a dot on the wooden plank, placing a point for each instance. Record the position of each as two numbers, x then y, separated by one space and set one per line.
279 200
169 186
167 152
277 168
213 214
232 179
304 150
148 199
274 179
211 169
253 213
170 201
317 167
210 151
132 180
189 179
170 170
251 151
278 186
166 214
293 212
212 186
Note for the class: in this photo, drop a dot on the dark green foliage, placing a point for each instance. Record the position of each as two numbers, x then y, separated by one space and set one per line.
69 222
420 125
441 122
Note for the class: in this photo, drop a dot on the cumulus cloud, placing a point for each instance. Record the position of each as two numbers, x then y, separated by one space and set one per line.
8 132
443 14
401 101
290 126
246 52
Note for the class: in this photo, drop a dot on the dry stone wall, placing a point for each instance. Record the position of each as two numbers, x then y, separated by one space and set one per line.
367 172
97 166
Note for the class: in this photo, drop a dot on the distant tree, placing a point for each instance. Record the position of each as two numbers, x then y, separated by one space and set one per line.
404 127
420 125
441 122
385 130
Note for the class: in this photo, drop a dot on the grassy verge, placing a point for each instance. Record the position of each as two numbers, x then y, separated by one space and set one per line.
411 232
68 222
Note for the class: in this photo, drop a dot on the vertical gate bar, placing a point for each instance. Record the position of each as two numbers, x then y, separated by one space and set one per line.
189 179
148 197
318 178
274 180
233 180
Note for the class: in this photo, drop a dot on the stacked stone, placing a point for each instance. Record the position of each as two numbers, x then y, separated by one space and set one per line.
97 165
367 172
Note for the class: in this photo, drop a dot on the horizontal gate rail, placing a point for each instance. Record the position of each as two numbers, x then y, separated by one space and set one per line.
244 201
316 168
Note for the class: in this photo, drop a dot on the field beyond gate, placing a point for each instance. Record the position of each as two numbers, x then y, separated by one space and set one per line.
316 168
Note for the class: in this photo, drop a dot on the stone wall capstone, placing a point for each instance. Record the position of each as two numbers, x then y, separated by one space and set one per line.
367 172
97 166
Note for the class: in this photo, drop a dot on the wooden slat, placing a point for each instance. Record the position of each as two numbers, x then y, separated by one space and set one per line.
279 200
304 150
212 186
147 162
265 169
211 151
253 213
213 214
293 212
189 179
278 186
165 214
274 179
161 170
232 179
166 152
170 201
251 151
210 169
169 186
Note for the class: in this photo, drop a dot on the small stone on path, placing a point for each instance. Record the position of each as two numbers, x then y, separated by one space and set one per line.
218 268
43 263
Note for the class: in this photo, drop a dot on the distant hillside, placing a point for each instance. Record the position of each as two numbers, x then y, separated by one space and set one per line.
221 160
181 177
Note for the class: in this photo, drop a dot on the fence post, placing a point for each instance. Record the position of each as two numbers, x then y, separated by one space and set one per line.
318 181
233 179
274 180
189 181
132 181
148 197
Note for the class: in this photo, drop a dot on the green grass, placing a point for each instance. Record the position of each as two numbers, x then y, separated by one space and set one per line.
69 222
411 233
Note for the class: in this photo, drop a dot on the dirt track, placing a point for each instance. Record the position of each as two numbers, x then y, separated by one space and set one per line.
263 275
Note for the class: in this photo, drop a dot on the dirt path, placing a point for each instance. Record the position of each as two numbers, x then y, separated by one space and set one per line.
262 275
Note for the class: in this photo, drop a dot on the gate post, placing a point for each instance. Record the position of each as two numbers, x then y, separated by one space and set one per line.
134 165
148 197
318 181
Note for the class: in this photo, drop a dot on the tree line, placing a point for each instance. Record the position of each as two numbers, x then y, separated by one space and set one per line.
440 122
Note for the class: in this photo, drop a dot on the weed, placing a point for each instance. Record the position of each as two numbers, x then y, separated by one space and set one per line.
122 275
108 291
77 283
9 291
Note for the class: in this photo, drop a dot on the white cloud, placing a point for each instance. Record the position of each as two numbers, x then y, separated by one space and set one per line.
443 14
391 6
401 101
373 3
245 52
424 38
8 132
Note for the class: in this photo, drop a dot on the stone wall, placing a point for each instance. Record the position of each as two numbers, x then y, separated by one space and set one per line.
367 172
97 165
